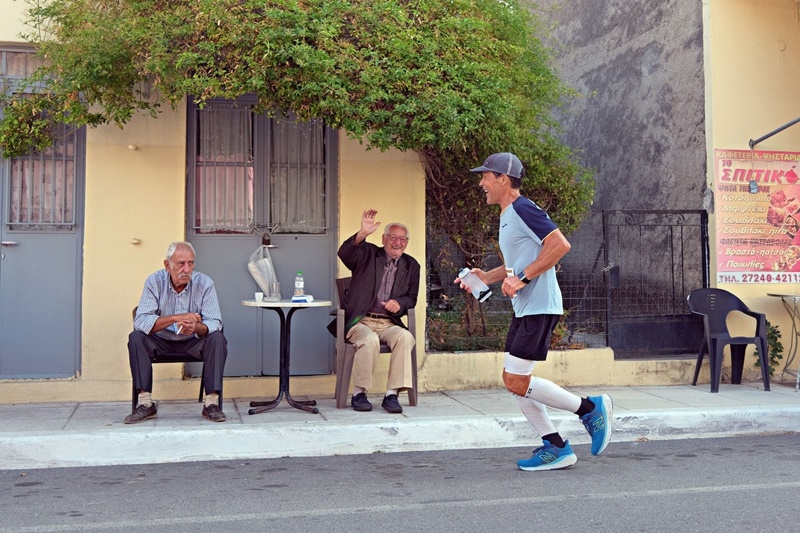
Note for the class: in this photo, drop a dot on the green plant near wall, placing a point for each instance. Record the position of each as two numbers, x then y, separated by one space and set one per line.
775 348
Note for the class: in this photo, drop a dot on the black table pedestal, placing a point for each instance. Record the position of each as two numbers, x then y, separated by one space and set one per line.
283 384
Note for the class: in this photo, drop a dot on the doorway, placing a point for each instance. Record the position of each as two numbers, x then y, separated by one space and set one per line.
41 260
253 177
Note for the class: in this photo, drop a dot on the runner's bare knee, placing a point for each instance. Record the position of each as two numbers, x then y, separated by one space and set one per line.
516 383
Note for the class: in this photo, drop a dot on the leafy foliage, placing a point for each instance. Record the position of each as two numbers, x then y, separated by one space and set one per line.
447 332
398 73
775 348
454 80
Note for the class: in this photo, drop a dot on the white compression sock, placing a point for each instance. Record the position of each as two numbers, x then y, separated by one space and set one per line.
550 394
536 414
539 389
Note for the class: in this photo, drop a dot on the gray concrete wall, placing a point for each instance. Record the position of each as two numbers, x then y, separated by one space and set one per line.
640 124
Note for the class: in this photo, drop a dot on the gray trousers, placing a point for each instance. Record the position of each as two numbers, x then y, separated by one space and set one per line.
212 350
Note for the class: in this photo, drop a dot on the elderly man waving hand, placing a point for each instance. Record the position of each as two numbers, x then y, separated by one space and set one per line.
385 283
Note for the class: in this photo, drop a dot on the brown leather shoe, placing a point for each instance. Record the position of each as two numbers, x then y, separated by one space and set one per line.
214 413
141 413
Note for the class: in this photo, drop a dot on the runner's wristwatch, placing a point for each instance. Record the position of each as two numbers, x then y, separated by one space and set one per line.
522 278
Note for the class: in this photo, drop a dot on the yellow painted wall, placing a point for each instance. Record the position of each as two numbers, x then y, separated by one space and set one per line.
11 21
393 182
134 194
752 50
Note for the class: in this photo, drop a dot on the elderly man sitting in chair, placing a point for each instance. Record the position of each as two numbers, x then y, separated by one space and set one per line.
178 312
384 285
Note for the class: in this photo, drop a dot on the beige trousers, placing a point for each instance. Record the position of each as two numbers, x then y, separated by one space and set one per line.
366 336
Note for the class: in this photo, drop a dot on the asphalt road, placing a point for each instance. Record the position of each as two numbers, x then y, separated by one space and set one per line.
704 485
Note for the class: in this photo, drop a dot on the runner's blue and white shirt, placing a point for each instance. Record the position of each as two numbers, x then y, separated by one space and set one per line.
523 228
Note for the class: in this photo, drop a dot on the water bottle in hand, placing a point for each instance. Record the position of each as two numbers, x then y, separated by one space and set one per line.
479 289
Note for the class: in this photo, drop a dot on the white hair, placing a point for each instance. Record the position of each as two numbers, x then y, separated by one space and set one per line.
178 244
389 227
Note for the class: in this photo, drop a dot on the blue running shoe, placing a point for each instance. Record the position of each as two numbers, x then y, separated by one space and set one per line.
549 457
598 422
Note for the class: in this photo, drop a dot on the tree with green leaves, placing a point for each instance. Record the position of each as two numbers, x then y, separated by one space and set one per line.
454 80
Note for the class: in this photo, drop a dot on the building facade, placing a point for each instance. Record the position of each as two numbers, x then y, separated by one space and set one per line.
672 84
96 213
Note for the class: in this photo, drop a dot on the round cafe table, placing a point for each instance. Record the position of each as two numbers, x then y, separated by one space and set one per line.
285 352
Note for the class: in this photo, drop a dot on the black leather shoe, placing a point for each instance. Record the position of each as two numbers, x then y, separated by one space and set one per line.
360 403
391 404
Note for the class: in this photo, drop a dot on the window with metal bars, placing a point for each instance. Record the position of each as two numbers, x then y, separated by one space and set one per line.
253 171
41 186
297 176
224 169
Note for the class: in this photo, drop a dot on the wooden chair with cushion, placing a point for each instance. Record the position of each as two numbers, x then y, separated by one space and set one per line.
172 357
345 352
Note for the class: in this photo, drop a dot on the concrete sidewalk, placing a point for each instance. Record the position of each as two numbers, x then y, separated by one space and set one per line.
92 434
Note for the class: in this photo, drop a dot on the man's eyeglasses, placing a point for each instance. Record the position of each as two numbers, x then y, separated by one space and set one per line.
397 238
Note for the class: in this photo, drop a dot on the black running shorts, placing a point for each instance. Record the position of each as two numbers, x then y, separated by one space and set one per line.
529 336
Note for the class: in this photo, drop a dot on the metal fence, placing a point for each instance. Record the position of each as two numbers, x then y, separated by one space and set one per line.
456 323
631 268
655 258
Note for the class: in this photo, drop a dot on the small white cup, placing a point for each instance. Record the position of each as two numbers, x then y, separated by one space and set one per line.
259 296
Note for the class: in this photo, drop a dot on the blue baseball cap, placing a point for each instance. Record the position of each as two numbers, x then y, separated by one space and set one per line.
503 163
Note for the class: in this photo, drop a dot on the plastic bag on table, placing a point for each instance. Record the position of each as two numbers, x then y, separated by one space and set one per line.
260 267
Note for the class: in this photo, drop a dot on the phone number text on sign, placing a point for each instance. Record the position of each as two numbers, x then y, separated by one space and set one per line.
746 277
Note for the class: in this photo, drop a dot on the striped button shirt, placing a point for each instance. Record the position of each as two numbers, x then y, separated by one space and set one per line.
160 299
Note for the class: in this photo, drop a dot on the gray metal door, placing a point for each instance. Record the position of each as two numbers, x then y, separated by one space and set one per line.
251 175
41 260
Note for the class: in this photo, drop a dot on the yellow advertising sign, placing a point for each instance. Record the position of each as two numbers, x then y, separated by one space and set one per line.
757 201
